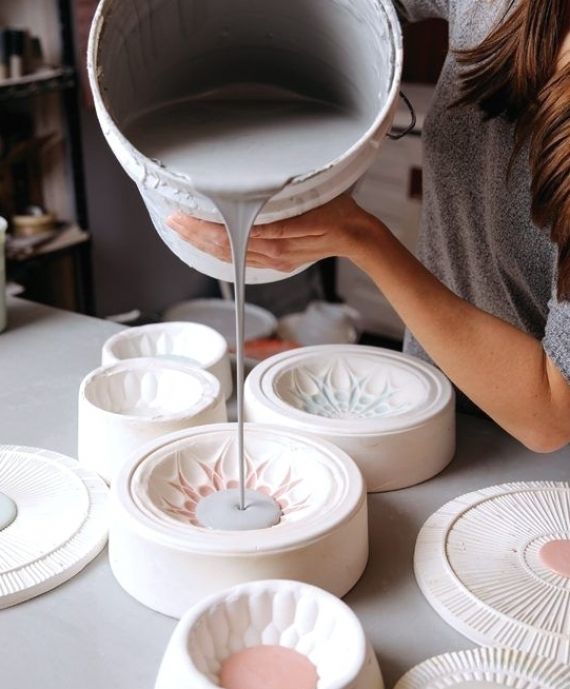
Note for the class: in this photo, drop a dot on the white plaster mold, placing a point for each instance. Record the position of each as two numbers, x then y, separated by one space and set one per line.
282 613
198 344
477 563
60 526
487 668
122 406
163 557
393 414
366 33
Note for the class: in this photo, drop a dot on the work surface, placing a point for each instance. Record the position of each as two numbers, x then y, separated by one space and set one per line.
89 634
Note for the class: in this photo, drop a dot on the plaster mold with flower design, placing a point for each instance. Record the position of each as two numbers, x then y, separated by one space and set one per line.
393 414
164 557
122 406
190 342
289 614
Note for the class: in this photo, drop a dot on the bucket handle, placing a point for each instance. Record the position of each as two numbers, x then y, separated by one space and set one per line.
401 134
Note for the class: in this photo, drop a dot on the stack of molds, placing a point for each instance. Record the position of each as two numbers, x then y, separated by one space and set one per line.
183 342
273 614
122 406
164 557
393 414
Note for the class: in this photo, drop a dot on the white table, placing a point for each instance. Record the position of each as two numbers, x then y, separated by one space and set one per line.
89 634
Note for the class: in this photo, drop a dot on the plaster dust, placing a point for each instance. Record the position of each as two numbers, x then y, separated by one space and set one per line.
556 556
268 667
241 145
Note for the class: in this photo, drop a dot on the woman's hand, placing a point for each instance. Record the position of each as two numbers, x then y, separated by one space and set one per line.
339 228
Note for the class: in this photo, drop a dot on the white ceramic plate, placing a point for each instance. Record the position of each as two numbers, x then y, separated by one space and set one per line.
220 315
477 562
60 526
487 668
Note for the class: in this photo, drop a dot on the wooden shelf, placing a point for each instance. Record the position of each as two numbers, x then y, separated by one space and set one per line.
62 239
46 80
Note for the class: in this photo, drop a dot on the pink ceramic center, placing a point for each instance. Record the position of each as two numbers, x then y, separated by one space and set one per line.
268 667
556 556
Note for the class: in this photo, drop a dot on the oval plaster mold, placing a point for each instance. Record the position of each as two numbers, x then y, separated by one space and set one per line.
164 557
392 413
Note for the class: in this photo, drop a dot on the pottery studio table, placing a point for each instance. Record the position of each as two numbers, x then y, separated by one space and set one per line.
89 634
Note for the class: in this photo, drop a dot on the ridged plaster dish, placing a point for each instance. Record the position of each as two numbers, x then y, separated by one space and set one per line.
122 406
161 555
477 562
270 613
129 76
60 525
201 345
393 414
490 668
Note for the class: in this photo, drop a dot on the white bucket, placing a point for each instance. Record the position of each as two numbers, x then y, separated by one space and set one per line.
142 55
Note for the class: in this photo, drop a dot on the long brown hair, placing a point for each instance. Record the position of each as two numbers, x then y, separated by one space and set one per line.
513 73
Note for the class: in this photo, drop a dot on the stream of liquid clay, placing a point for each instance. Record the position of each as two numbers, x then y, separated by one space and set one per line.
241 146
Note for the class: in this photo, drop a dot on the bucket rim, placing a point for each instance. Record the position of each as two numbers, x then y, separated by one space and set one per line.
184 182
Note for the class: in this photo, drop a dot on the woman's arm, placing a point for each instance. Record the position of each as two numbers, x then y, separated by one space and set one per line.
502 369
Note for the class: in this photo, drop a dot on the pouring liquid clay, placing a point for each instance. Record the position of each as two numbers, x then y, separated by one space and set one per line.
241 145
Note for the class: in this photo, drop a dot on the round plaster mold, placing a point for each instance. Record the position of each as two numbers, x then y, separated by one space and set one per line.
393 414
122 406
290 614
59 525
190 342
477 561
163 556
487 668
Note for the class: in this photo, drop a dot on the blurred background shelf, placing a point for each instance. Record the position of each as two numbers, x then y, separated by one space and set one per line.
41 161
44 81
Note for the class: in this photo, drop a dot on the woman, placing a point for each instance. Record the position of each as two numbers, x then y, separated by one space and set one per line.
489 302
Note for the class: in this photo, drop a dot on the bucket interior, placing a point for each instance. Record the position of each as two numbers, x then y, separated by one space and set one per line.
149 54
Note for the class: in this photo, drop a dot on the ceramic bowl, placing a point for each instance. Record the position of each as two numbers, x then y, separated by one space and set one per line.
163 557
393 414
220 314
123 406
193 342
281 613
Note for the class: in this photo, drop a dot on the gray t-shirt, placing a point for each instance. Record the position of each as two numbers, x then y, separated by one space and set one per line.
477 235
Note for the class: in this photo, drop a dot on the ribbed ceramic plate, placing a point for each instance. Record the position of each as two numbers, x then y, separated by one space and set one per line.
478 563
60 526
487 668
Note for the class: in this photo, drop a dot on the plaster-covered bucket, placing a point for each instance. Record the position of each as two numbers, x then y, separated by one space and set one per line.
144 55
